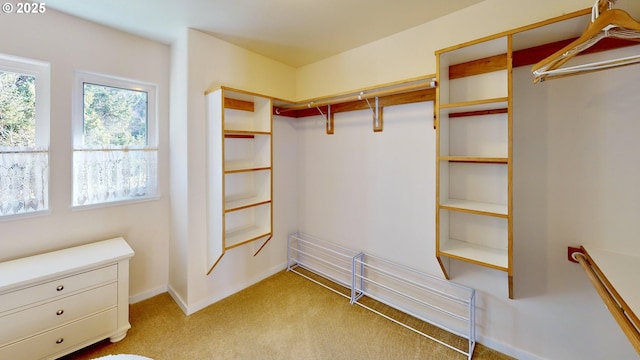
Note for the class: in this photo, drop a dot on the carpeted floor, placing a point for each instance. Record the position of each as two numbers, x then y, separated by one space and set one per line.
282 317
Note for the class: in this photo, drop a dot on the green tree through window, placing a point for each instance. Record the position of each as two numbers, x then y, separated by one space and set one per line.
17 109
114 117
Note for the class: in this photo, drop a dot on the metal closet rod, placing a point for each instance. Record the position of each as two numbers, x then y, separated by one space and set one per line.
419 84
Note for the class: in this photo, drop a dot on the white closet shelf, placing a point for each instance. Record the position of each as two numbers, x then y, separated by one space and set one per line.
612 276
245 132
466 52
243 203
477 207
245 235
236 167
474 253
475 159
617 267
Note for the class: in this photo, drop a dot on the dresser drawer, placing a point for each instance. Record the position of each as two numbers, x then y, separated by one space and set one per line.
52 314
64 338
58 287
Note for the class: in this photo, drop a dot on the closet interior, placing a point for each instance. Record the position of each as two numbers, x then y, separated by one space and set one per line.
474 121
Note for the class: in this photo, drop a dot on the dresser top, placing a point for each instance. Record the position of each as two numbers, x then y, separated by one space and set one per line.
37 268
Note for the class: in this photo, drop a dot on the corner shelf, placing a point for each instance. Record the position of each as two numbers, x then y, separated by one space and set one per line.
240 172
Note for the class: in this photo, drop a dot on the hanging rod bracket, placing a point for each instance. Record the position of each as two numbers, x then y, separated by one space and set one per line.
377 114
572 251
329 120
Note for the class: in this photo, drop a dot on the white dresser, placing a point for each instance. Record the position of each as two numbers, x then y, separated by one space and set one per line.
55 303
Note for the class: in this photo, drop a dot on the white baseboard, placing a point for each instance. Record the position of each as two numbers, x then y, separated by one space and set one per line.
147 294
183 306
508 350
192 308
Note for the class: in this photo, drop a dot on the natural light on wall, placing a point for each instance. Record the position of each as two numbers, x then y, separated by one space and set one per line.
115 151
24 136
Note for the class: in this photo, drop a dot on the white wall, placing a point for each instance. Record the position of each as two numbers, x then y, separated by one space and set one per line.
68 43
210 61
179 177
371 191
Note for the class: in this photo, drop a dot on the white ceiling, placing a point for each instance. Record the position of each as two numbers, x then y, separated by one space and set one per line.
295 32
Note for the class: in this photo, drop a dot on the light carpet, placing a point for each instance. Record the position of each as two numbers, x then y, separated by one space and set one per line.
282 317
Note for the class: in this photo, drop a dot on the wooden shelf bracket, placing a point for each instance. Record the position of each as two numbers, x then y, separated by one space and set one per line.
263 245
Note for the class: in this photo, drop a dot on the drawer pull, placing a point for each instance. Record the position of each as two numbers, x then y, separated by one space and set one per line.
60 312
60 288
59 341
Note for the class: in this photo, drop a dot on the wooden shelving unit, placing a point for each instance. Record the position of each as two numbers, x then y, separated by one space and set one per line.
240 160
240 170
474 216
474 122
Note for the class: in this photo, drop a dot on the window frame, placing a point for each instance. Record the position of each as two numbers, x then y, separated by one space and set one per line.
41 71
80 78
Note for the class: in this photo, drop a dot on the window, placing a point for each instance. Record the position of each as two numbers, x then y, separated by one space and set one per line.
24 136
115 144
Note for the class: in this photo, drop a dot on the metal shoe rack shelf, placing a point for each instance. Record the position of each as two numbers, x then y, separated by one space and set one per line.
444 304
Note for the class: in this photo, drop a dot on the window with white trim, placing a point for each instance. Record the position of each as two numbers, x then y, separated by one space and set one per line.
24 136
115 141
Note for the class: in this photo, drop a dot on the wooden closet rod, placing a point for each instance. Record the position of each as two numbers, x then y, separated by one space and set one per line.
608 295
419 84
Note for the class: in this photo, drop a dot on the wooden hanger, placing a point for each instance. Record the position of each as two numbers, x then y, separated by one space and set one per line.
603 5
610 23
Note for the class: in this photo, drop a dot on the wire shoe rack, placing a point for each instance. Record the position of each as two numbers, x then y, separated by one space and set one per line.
443 304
